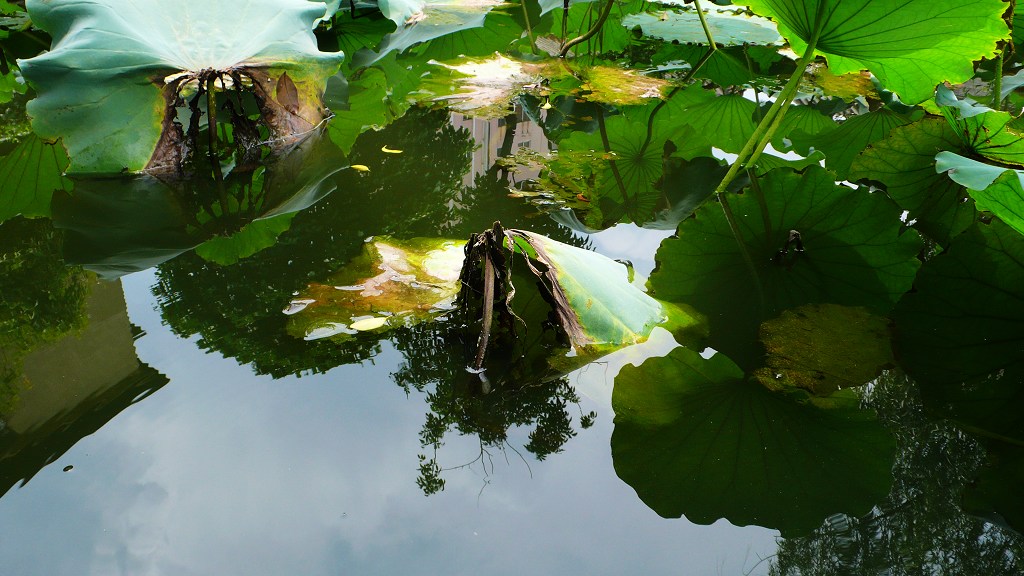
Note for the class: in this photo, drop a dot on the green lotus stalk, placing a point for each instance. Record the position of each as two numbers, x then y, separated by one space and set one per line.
997 83
766 128
590 33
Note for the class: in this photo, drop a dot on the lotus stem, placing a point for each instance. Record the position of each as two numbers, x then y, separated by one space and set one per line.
997 83
767 127
590 33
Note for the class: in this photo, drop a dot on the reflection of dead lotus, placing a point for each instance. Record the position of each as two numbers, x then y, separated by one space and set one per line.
585 297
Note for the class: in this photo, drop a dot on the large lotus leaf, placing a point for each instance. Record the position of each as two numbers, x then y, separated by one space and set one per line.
904 162
808 241
910 45
983 131
842 144
695 439
824 347
393 283
102 85
728 27
996 189
29 175
960 334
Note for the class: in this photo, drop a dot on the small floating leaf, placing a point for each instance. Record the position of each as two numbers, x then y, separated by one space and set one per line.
368 324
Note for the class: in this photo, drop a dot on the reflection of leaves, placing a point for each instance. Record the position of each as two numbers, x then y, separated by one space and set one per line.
236 310
960 332
905 163
694 439
920 527
121 225
854 254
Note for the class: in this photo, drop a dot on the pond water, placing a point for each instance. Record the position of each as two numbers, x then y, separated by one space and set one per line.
178 427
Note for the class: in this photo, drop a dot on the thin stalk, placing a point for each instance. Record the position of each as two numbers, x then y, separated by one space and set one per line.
704 25
529 29
211 131
590 33
485 328
766 128
997 84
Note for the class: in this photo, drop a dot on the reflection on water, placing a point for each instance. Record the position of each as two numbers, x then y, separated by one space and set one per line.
204 439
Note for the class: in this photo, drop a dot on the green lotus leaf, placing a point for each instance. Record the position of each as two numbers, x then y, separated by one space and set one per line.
108 85
807 240
767 162
910 46
29 175
904 162
824 347
996 189
960 334
393 283
842 144
983 131
694 438
728 27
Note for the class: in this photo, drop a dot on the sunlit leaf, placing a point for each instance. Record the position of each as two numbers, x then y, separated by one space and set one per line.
910 46
695 439
848 249
102 88
604 310
904 162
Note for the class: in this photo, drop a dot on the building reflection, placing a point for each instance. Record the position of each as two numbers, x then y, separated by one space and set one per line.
74 386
